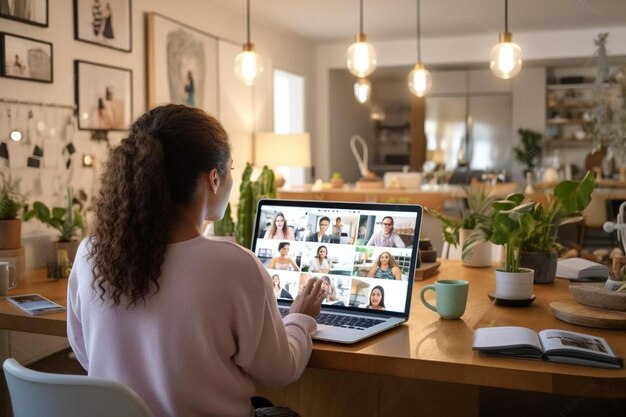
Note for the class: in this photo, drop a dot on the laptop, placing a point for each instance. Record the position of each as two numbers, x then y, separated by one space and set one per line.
365 253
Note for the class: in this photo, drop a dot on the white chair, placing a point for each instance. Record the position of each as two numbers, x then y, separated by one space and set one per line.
35 394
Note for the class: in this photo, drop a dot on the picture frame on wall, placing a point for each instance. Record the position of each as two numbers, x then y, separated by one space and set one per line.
106 23
104 96
26 58
33 12
182 64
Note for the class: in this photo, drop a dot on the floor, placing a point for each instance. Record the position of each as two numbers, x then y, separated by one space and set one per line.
59 363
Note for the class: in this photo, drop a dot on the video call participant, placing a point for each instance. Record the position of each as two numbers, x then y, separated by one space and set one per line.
279 292
320 235
329 289
321 263
335 236
385 267
128 294
279 229
282 261
387 237
377 299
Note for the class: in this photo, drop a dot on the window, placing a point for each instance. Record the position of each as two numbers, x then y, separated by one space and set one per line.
288 102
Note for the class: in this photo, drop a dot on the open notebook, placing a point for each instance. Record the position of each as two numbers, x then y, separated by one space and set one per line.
365 252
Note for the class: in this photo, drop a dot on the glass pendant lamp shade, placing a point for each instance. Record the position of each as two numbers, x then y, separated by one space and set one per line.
248 64
361 57
506 58
420 81
362 90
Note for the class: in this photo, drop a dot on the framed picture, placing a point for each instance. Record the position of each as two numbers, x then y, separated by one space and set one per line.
33 12
104 96
104 22
182 64
26 58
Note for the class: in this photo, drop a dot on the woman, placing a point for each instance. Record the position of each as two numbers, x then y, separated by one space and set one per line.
282 261
329 290
385 267
281 292
386 237
279 229
321 263
140 309
377 299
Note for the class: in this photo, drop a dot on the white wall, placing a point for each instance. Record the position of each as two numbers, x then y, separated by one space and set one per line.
279 49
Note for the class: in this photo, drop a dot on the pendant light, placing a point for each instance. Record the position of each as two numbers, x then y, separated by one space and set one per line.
362 90
506 56
361 56
248 64
420 80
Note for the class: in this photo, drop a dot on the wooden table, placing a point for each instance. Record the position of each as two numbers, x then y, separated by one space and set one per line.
426 365
12 318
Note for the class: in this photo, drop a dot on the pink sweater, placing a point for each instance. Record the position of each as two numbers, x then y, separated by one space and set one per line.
194 347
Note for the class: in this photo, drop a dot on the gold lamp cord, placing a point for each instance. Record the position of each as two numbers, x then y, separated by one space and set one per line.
361 17
506 16
419 47
248 20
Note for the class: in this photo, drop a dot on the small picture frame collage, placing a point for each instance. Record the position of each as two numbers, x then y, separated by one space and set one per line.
103 94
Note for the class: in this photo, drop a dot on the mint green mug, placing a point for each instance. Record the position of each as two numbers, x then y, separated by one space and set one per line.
451 297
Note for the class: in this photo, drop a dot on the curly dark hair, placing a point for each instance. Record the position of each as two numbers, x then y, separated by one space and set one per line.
148 178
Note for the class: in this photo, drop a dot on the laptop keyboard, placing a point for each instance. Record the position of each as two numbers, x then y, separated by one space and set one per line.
337 320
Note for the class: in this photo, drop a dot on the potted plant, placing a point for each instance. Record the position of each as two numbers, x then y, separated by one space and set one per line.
510 224
541 247
250 192
530 152
67 220
529 227
456 231
337 180
11 202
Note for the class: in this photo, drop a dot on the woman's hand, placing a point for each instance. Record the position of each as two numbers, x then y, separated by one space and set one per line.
310 298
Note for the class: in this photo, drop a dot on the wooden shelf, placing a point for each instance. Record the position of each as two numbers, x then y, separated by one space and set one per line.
567 122
568 141
575 106
576 86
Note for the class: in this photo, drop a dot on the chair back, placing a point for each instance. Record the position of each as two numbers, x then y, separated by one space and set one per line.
35 394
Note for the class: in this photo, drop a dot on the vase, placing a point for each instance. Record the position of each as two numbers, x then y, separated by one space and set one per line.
514 285
481 257
71 247
543 263
595 157
10 234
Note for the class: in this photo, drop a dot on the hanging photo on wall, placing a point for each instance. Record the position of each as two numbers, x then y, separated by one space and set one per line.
104 22
103 96
182 64
26 58
33 12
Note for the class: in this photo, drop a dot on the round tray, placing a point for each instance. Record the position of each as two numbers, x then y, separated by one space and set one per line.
594 295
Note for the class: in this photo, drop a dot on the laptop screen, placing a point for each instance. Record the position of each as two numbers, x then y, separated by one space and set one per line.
364 252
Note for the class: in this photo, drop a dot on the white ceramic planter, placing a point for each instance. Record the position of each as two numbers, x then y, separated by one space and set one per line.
514 285
482 252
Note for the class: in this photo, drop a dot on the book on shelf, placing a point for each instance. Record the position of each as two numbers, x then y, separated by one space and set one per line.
35 304
580 268
549 345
